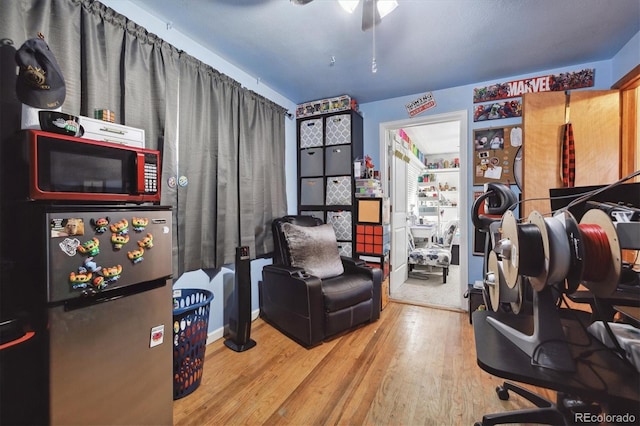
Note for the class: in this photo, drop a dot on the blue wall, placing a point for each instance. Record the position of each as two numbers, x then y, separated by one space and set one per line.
461 98
627 58
453 99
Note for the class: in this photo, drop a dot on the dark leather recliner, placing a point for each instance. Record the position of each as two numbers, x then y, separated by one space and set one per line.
309 309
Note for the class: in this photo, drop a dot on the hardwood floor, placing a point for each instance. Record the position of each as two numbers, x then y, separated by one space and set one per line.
414 366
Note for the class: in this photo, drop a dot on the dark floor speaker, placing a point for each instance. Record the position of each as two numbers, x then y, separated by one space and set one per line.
240 318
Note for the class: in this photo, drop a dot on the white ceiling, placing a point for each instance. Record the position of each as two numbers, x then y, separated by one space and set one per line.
422 46
436 138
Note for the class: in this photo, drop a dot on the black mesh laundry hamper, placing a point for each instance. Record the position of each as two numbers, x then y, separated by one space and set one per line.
190 324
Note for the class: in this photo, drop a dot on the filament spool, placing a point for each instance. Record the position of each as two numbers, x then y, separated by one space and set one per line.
555 247
559 252
510 248
515 237
499 292
576 251
516 305
602 268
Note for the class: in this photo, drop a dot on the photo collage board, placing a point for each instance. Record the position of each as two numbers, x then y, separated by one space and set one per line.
494 154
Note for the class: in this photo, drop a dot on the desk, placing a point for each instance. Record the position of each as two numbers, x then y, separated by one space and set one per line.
425 231
630 312
600 376
607 310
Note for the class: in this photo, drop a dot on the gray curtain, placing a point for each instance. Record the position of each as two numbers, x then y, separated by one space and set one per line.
261 159
200 119
208 117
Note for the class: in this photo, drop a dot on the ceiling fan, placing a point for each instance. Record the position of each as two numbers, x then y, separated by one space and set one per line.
372 10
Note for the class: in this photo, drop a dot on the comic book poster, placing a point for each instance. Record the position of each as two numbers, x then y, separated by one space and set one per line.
546 83
497 110
494 154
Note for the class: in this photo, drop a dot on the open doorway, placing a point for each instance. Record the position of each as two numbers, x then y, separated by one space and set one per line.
397 175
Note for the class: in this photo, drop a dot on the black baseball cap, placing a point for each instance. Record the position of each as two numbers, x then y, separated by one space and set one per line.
40 82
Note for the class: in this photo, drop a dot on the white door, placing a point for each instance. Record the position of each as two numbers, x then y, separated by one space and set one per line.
399 243
395 184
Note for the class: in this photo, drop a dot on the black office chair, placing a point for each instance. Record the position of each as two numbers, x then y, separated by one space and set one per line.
310 293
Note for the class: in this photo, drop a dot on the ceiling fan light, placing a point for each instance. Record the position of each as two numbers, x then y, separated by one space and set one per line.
348 5
385 7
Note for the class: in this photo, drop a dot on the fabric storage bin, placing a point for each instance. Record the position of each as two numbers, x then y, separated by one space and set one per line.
319 214
345 249
311 133
311 162
311 191
338 129
337 160
341 222
338 190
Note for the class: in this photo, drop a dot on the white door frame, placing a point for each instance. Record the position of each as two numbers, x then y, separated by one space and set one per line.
462 117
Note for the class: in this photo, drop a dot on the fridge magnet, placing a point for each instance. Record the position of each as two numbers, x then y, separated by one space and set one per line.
112 274
139 223
90 265
98 282
91 247
69 246
495 154
66 227
120 227
146 242
80 280
100 225
498 110
135 256
118 240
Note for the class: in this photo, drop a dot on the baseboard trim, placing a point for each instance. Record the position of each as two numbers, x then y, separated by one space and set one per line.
218 333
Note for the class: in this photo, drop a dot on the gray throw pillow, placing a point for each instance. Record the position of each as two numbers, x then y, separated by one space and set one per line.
314 248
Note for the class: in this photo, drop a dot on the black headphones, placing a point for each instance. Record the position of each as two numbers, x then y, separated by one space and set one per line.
499 198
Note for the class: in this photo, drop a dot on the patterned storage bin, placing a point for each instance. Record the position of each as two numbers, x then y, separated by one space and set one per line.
338 129
190 328
311 133
345 249
338 190
341 222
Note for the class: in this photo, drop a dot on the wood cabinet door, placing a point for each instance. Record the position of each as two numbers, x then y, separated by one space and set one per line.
595 117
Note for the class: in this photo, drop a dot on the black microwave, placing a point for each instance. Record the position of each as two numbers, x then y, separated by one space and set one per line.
66 168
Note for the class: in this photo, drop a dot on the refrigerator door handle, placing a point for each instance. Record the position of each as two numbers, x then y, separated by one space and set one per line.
86 299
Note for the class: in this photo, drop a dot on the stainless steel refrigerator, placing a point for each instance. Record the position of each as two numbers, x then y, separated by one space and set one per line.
100 280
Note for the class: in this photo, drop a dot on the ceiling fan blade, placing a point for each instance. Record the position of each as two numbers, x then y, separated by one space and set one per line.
301 2
369 14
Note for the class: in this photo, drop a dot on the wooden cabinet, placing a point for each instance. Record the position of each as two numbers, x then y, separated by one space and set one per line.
328 144
595 117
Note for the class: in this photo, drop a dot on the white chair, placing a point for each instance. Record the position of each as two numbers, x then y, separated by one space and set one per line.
433 254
